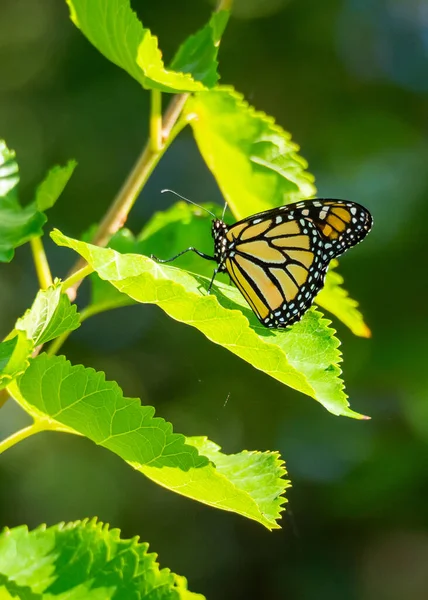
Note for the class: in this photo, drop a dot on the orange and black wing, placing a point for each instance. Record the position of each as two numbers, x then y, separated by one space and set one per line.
277 266
278 259
342 224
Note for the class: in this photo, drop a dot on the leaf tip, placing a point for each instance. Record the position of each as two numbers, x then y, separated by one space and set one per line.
365 332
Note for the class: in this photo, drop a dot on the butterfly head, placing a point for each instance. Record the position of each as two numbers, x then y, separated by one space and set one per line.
219 230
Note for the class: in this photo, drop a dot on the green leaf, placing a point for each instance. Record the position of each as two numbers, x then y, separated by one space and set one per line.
246 468
182 225
105 296
254 161
53 185
115 30
167 233
50 316
9 176
14 354
335 299
83 560
305 356
198 54
81 401
17 224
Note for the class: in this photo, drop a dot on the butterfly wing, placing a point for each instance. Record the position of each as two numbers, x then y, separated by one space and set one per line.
278 259
342 224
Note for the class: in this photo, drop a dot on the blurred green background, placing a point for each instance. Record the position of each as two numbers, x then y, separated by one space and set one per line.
349 79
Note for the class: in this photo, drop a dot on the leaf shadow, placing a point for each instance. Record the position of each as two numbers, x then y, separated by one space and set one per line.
231 304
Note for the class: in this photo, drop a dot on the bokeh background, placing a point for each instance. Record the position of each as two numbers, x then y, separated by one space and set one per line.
349 79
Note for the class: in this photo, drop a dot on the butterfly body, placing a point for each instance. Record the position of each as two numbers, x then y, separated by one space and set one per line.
278 258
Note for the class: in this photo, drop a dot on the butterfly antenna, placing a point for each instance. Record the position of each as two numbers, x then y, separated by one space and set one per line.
190 201
224 211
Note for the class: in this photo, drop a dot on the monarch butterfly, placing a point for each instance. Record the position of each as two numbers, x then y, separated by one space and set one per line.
278 258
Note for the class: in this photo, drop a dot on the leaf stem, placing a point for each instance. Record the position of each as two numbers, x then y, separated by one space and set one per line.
156 121
172 114
76 277
224 5
20 435
57 343
41 263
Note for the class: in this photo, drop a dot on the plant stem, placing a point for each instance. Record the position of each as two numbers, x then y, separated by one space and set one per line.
77 276
20 435
156 121
118 212
172 114
224 5
41 263
57 343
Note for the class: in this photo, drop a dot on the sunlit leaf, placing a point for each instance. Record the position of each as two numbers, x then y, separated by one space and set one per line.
84 559
9 170
305 356
336 299
17 224
247 467
51 315
198 54
165 234
115 30
81 401
14 355
171 231
254 161
53 185
105 296
182 225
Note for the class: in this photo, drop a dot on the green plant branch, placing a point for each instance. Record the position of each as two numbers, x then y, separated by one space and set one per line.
41 263
224 5
118 212
172 114
156 121
20 435
76 277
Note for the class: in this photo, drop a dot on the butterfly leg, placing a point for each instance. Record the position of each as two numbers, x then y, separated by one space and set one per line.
191 249
212 281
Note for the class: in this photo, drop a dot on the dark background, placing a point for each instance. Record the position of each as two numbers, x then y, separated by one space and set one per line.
349 79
